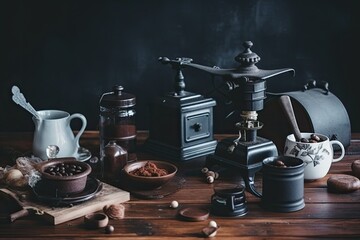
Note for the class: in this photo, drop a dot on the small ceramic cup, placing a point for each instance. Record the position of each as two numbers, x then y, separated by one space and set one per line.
317 156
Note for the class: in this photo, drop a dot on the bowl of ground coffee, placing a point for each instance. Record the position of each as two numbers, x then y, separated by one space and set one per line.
149 174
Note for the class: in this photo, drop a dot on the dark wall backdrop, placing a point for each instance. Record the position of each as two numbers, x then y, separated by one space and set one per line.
65 54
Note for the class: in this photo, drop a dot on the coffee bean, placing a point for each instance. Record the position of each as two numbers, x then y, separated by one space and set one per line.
342 183
62 169
279 163
109 229
355 167
315 137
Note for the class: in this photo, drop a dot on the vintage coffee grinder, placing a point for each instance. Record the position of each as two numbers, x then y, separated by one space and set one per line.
181 123
246 90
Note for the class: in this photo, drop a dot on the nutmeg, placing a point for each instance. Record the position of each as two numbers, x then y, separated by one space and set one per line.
115 211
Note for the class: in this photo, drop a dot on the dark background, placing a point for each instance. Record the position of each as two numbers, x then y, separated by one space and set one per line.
65 54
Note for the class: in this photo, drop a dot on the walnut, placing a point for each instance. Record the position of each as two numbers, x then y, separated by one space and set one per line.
115 211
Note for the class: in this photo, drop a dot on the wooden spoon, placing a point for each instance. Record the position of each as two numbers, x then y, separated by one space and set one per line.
290 115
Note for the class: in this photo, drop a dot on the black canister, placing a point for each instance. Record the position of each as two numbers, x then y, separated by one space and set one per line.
117 121
229 201
283 184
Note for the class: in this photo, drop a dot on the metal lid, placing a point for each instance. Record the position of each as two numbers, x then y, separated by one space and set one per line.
247 67
118 98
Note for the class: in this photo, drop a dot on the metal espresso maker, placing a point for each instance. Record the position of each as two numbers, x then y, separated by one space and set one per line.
246 89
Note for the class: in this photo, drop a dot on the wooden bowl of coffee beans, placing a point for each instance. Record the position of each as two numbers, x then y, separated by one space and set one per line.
64 176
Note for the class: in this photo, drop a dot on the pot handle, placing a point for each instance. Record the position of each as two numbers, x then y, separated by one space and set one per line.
313 84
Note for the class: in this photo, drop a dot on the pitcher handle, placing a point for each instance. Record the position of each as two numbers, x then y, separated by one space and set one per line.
82 129
336 142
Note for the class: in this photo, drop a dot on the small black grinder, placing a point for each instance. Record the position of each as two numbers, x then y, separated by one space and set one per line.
181 122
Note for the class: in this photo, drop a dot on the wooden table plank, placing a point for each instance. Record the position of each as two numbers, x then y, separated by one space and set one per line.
171 228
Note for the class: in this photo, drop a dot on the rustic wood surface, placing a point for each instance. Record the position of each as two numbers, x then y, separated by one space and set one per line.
55 215
326 215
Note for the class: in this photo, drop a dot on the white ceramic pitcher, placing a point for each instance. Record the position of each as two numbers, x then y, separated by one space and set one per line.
53 128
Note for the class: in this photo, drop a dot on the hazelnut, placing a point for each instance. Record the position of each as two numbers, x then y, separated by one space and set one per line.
174 204
115 211
210 173
212 223
13 175
204 170
210 179
15 178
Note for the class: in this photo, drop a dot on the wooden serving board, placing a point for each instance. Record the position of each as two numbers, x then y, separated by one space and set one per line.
56 215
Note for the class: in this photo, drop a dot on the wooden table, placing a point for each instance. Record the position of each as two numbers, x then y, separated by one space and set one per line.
326 215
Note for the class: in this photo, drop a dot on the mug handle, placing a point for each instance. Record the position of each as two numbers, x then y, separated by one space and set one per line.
336 142
82 129
249 179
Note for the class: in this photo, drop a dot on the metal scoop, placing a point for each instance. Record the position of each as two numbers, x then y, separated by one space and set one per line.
19 98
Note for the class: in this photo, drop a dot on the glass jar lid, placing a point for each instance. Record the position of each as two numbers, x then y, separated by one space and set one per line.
117 98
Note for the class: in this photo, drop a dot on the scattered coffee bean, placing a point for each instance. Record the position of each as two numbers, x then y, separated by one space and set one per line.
109 229
355 167
342 183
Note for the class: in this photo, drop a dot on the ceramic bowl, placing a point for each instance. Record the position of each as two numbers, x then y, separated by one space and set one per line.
96 220
148 182
64 176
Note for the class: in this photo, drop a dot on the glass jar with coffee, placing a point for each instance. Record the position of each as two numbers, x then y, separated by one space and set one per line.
117 121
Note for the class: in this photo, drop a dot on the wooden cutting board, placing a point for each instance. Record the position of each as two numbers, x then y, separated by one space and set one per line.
56 215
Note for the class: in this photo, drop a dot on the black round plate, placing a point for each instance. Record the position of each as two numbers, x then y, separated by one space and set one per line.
92 187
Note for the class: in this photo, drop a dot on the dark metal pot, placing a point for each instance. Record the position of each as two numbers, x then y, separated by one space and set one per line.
282 184
283 187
